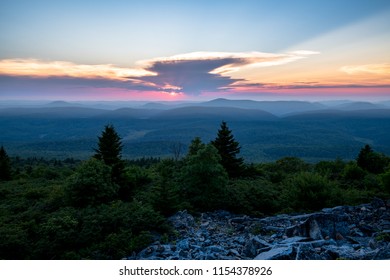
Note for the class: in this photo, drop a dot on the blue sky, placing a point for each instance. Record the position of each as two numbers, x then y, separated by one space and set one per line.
141 34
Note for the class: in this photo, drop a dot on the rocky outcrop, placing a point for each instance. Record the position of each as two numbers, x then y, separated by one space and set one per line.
344 232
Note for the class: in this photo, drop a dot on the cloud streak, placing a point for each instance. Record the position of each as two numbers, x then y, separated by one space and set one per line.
37 68
377 69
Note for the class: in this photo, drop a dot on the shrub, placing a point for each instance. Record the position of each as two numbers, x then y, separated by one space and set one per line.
91 184
204 179
308 191
255 197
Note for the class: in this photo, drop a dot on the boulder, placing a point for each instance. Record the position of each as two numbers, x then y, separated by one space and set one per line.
277 253
253 245
344 232
320 226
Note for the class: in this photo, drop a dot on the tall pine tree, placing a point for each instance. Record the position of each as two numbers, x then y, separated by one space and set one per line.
195 145
228 148
110 152
5 165
372 161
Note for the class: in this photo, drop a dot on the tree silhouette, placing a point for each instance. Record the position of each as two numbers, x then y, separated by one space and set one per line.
110 152
109 146
371 161
195 145
5 165
228 148
204 179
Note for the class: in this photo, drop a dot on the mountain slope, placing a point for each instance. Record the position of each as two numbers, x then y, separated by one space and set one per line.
221 113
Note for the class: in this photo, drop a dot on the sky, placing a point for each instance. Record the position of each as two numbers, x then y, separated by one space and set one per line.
194 50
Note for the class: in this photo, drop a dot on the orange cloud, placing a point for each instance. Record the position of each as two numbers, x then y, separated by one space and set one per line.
377 69
37 68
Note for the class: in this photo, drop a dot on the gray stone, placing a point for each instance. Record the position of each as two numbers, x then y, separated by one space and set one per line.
277 253
383 253
183 244
294 239
344 232
378 203
253 244
305 251
215 249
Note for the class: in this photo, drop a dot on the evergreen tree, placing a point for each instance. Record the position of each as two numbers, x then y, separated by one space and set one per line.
109 146
5 165
109 151
371 161
195 146
228 148
204 179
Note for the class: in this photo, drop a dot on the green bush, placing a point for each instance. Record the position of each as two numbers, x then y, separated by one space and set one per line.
255 197
385 178
204 179
91 184
353 172
134 179
308 191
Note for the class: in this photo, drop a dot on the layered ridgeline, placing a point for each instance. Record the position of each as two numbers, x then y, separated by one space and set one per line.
266 130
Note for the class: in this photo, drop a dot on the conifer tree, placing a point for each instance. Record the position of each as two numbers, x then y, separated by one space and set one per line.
110 152
204 179
228 148
372 161
195 145
5 165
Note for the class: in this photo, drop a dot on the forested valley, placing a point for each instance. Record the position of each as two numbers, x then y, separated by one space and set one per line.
107 207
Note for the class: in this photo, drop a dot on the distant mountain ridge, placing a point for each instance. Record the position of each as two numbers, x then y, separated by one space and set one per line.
278 108
312 131
223 107
67 111
226 113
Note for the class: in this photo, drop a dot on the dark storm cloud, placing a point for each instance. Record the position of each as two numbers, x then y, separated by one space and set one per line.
191 77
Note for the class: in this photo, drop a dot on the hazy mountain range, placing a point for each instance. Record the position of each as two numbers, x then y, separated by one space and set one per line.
266 130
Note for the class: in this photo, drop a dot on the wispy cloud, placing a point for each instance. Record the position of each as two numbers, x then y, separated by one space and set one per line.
377 69
37 68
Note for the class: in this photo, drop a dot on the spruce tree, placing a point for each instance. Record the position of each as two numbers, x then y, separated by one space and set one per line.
109 146
204 179
228 148
5 165
195 145
372 161
110 152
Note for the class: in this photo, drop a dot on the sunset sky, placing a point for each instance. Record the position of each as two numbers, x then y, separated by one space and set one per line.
194 50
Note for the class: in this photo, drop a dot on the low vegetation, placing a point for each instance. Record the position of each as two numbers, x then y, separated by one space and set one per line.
106 207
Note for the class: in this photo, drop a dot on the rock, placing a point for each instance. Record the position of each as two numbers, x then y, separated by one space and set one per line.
182 220
295 239
252 246
277 253
183 244
305 251
378 203
215 249
385 225
344 232
320 226
383 253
